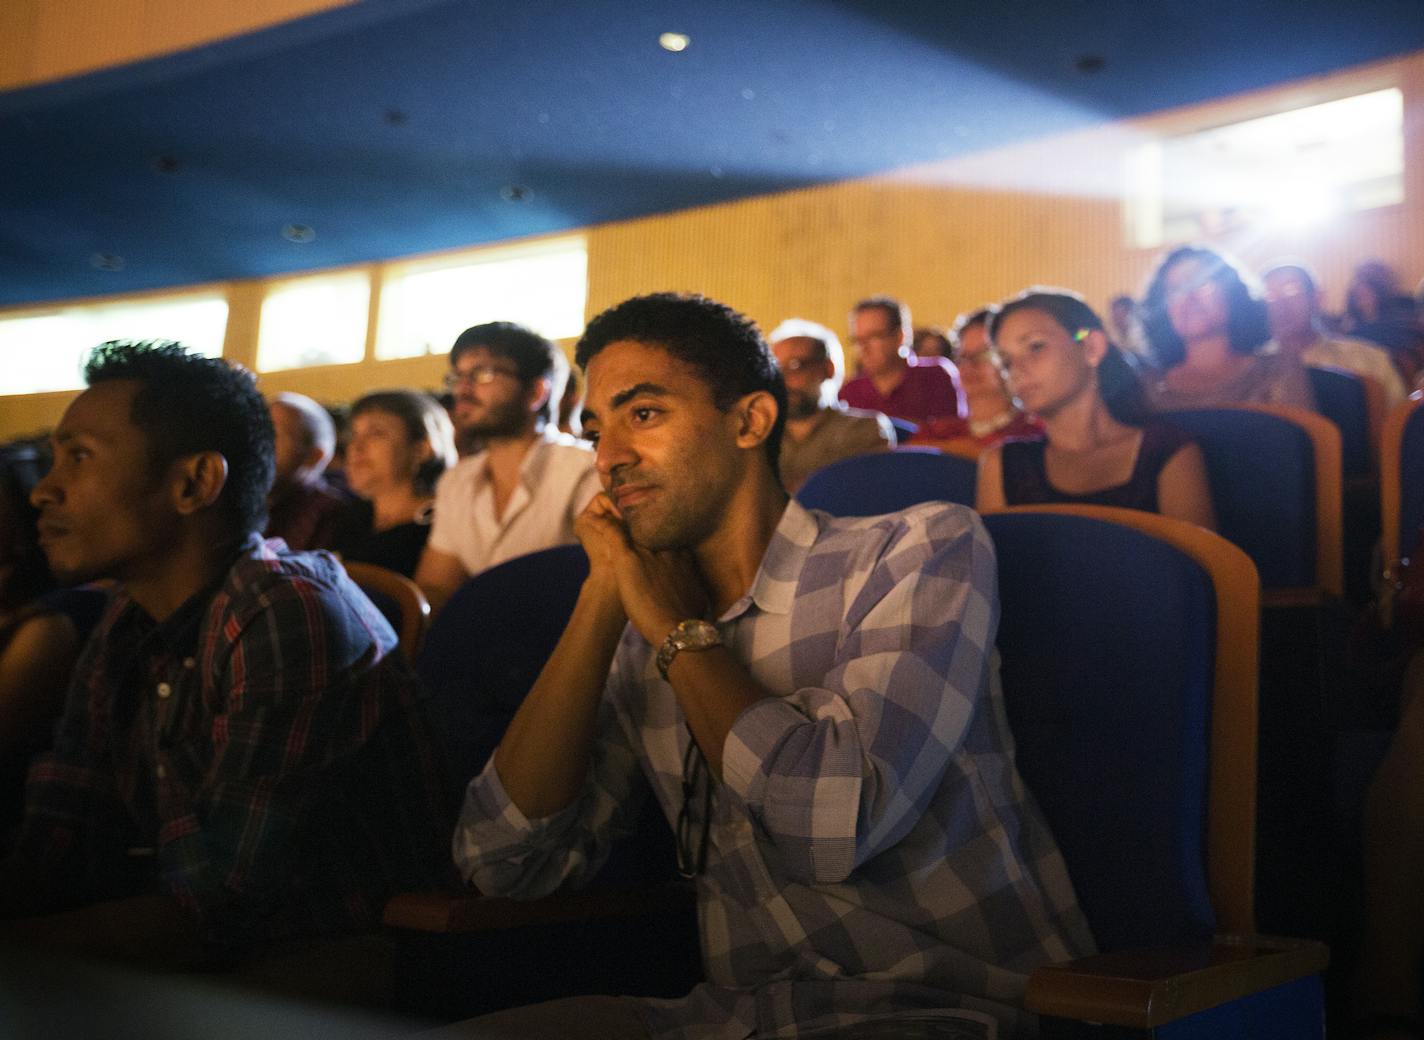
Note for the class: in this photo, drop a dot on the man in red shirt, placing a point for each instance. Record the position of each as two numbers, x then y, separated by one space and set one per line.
924 391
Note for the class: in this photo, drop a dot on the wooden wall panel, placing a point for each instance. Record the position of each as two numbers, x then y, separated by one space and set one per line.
43 40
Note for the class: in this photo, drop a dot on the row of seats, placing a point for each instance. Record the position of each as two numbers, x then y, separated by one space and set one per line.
1129 665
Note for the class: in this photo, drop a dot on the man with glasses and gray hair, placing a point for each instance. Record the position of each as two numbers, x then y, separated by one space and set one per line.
522 490
820 429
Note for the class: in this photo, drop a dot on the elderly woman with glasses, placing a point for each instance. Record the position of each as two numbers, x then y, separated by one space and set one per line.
1208 335
1098 447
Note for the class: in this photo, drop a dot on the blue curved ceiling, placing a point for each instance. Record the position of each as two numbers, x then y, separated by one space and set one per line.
398 127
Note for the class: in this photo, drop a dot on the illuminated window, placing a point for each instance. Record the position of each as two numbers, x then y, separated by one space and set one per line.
45 351
423 308
314 321
1285 171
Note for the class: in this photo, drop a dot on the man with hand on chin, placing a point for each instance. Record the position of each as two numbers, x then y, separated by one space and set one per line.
824 690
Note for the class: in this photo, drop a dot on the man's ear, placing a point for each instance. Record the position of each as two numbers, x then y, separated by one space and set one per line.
537 396
198 480
756 415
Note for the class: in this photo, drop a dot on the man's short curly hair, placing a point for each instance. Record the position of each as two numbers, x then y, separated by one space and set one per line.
725 347
189 403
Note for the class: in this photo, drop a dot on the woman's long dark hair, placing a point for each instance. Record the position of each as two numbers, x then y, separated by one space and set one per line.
1118 383
1246 325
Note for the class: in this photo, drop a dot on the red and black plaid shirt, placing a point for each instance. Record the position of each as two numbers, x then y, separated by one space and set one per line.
264 742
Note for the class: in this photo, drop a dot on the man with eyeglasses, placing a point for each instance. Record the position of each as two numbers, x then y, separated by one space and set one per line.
819 428
528 482
815 704
923 391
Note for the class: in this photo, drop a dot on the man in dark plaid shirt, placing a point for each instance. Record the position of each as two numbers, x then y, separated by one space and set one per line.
242 756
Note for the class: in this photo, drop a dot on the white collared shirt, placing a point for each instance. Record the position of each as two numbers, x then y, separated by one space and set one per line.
556 480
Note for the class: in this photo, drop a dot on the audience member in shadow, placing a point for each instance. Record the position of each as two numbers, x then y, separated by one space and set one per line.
820 429
1293 308
892 380
242 758
303 506
1379 310
931 342
39 640
527 483
993 414
1209 338
1099 447
401 442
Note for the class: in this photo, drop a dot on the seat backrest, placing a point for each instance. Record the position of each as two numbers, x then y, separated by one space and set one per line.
1402 477
399 599
1275 475
868 485
1128 647
488 645
482 655
1342 397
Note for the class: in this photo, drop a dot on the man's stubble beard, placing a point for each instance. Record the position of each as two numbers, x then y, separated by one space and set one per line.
504 420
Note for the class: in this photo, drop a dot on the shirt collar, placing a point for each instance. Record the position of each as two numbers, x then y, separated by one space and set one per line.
536 458
179 631
774 587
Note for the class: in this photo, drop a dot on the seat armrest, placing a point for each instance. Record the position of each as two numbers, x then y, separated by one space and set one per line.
1146 988
455 913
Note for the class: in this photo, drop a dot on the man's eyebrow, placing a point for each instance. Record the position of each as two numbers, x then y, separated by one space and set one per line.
624 396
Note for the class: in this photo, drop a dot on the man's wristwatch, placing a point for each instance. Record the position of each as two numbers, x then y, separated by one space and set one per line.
693 634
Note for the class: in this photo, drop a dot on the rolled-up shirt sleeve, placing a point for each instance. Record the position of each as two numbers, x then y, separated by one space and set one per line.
836 773
502 852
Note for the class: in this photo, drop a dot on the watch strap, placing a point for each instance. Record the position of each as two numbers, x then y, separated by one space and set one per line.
692 634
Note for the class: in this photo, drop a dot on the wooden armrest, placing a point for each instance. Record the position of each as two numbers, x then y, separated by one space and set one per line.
455 913
1145 988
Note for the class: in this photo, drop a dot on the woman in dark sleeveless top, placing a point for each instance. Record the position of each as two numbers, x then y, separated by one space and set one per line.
1098 447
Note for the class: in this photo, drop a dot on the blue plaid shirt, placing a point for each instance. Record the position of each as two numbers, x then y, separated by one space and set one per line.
872 845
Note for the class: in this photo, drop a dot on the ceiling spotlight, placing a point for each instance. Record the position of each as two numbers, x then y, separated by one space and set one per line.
516 193
1091 64
106 262
298 233
674 42
164 164
395 117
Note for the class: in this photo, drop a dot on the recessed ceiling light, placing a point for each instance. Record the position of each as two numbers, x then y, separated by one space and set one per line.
299 233
106 262
516 193
674 42
164 164
1090 64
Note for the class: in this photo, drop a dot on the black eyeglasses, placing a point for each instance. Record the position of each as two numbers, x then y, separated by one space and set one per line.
692 860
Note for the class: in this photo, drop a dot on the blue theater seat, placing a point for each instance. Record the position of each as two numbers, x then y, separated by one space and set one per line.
868 485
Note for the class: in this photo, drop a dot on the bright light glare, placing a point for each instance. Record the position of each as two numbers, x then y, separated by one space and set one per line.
46 352
544 288
675 42
314 321
1291 169
1303 204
